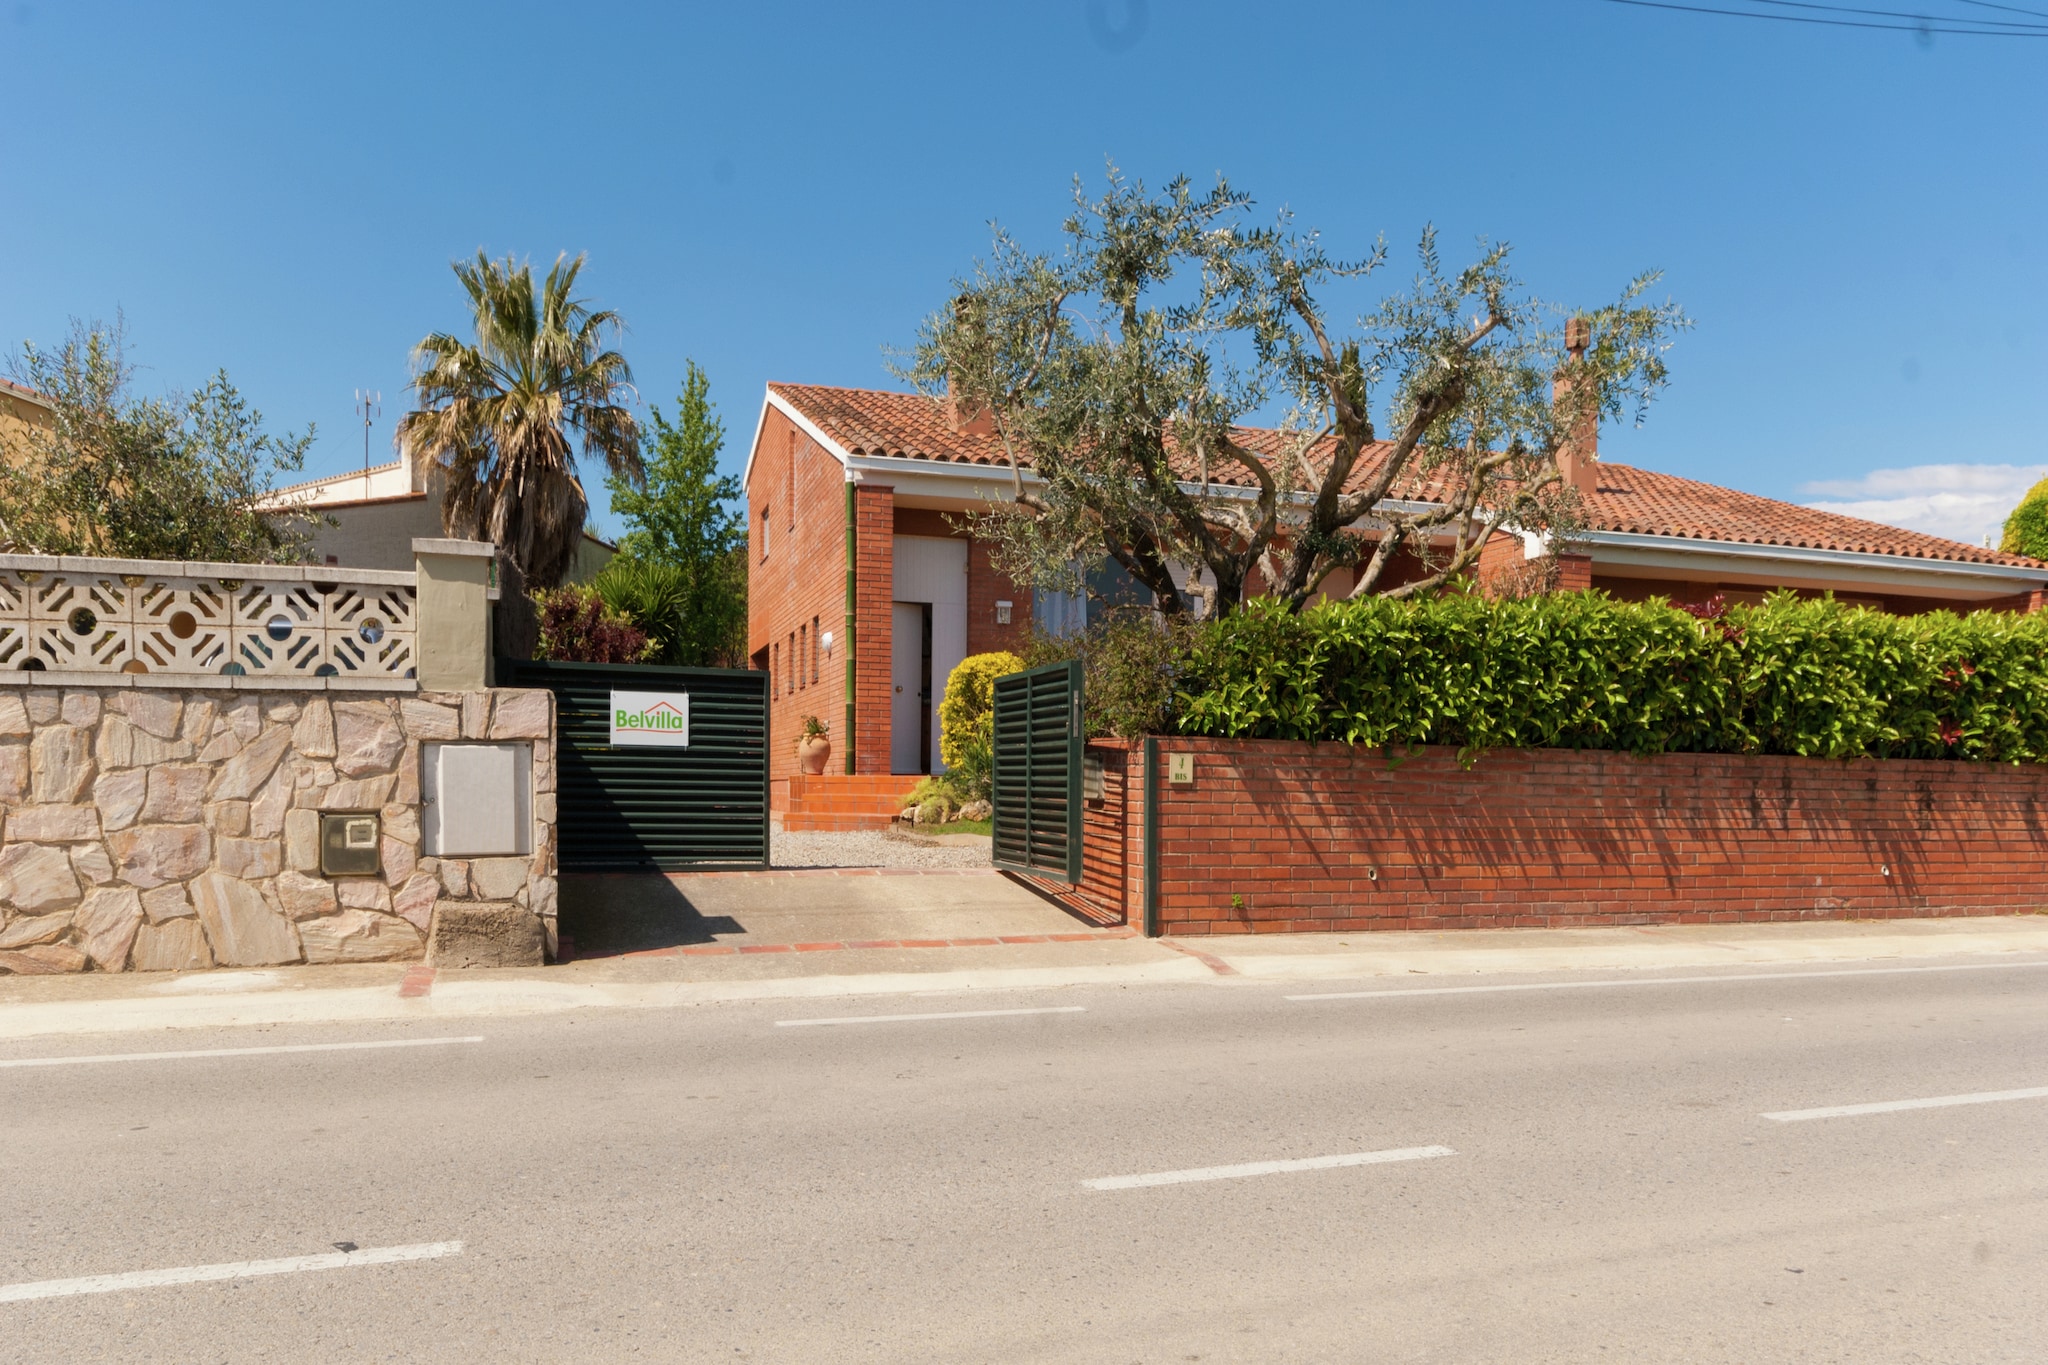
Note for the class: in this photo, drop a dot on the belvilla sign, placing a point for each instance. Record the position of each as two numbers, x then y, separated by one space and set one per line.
658 720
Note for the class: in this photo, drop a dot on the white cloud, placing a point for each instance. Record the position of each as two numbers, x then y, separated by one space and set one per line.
1964 502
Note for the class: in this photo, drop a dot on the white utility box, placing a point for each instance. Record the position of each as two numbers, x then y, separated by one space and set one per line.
477 800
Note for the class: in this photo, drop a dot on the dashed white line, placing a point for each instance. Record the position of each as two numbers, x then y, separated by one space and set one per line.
1843 1111
1251 1168
98 1058
913 1018
1606 983
229 1270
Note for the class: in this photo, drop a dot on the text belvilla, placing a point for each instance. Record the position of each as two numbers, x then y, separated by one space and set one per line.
660 719
650 719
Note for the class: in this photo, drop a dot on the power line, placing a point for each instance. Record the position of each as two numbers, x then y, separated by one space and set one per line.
1891 14
2009 9
1925 28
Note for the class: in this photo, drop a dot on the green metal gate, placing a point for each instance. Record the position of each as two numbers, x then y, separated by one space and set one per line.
1038 742
669 809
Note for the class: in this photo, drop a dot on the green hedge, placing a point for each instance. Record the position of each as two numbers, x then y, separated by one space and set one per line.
1581 670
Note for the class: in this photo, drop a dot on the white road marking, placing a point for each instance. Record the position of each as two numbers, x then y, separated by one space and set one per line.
1313 1163
908 1018
1664 981
232 1052
1842 1111
231 1270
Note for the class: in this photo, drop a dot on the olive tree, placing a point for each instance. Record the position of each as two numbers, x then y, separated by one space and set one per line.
1172 391
183 477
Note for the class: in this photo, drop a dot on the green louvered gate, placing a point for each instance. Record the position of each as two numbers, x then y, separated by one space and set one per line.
667 809
1038 742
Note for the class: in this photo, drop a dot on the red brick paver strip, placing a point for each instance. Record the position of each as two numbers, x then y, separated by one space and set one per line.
418 982
854 945
1212 962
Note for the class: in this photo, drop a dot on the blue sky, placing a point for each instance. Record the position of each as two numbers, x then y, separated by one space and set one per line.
1853 218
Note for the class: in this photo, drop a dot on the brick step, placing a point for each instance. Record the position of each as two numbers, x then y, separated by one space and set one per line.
837 802
832 823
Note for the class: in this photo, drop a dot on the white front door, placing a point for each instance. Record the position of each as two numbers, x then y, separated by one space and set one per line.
930 571
906 687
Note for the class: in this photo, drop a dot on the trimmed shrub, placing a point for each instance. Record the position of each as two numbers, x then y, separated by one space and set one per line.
1581 670
968 708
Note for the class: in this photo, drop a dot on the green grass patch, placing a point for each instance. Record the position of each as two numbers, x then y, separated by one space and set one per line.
958 827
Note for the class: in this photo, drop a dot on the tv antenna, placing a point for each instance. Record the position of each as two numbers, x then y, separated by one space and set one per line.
369 407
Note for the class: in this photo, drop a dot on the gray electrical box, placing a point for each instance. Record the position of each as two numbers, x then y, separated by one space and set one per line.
348 844
478 799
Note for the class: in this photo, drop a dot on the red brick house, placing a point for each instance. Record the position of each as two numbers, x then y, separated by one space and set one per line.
862 597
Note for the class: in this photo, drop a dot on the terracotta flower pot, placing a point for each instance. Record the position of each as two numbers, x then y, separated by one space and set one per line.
812 753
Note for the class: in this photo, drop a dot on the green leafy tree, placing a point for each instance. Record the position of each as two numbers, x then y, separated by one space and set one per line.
1128 372
185 477
502 413
682 571
2026 529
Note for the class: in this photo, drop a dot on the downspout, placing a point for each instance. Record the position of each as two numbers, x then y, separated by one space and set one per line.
852 583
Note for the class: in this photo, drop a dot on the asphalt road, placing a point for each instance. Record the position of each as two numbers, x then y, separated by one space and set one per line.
705 1184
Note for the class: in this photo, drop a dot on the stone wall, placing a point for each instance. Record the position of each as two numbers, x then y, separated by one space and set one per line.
161 828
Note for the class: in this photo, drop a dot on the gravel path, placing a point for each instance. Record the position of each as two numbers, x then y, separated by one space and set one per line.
866 848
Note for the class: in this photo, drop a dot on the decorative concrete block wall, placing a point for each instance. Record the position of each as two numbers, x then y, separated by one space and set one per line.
148 828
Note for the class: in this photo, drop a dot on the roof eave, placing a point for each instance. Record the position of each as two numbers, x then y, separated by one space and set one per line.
1639 550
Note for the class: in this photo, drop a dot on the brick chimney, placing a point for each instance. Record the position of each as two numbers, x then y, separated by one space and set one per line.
967 418
963 415
1578 459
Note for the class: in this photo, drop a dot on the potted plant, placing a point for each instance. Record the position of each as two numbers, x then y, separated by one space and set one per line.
813 747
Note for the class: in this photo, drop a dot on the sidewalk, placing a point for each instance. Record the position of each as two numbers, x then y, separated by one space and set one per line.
765 936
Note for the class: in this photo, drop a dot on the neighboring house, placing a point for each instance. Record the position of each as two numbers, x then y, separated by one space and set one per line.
22 410
881 478
378 511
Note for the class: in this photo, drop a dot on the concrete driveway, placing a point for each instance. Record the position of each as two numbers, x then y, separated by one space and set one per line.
613 915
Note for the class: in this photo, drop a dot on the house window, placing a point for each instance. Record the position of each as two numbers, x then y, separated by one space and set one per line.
764 533
796 671
775 672
803 648
814 649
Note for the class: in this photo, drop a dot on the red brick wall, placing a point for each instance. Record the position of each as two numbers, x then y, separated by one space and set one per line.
1109 874
803 491
875 569
986 587
2022 602
1326 837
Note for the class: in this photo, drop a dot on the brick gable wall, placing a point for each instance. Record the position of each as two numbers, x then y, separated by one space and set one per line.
801 581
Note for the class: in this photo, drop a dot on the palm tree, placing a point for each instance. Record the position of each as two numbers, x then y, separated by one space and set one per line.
498 415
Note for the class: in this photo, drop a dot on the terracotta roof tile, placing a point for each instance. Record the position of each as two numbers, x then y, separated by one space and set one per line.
877 422
1645 502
